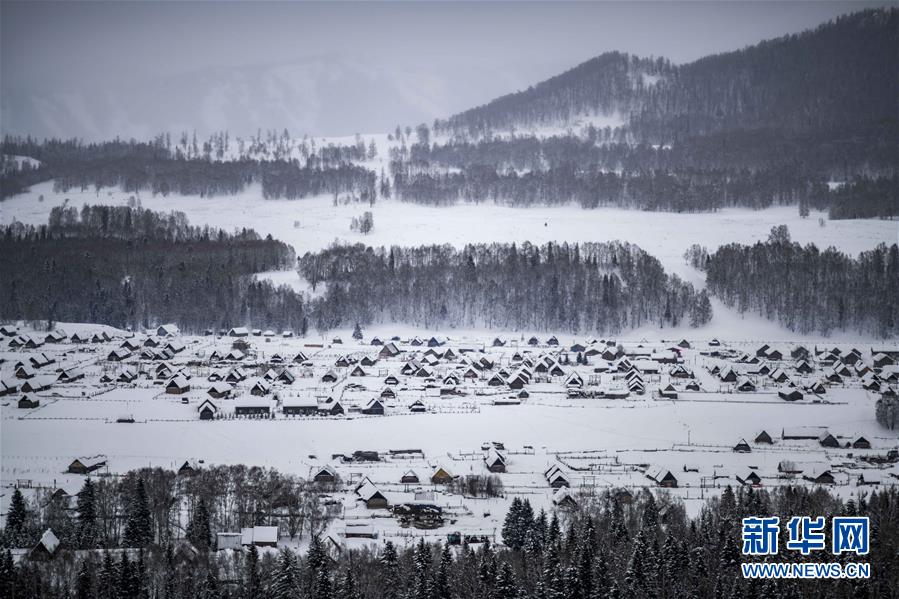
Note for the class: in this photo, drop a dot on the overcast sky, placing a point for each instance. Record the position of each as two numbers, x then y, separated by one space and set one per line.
98 69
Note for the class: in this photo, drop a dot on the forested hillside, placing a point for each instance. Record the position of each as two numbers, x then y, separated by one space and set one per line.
600 287
835 80
807 289
769 124
126 266
775 123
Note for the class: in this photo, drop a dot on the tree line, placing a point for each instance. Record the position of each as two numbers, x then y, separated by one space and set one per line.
592 187
601 287
130 267
158 168
613 544
155 507
807 289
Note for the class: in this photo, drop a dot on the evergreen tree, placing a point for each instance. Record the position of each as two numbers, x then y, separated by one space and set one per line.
553 534
84 585
390 580
511 532
552 581
286 576
211 586
138 526
505 583
170 580
127 584
637 573
140 573
617 526
17 517
357 332
252 581
441 581
323 585
486 571
198 529
421 563
108 577
346 589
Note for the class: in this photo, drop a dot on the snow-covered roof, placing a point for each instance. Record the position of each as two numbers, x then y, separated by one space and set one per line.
259 534
252 401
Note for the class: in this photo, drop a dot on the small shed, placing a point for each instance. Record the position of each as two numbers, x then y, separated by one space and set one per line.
742 447
662 477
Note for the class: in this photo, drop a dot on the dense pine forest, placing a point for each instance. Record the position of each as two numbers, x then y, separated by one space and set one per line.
602 287
608 547
126 266
774 89
807 289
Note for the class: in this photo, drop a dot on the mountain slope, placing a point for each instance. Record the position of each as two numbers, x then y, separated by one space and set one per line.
837 78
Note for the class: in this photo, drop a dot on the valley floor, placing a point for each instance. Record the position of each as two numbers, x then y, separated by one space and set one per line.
598 443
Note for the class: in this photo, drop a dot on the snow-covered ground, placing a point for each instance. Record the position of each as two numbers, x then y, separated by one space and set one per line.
599 443
665 235
20 161
315 223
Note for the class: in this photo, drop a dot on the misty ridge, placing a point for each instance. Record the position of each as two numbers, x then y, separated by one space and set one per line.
745 128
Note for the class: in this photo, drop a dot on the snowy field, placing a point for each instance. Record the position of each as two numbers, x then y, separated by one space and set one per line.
665 235
605 441
315 223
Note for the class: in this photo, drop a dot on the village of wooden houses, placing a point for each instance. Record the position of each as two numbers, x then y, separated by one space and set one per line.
432 436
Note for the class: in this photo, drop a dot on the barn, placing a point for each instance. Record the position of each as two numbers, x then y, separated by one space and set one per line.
441 476
325 475
790 394
299 406
861 443
207 410
744 385
86 465
742 447
374 408
495 461
260 388
820 475
749 478
46 547
764 437
25 403
564 500
177 386
662 477
219 390
252 406
556 478
409 478
371 496
828 440
260 536
331 408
